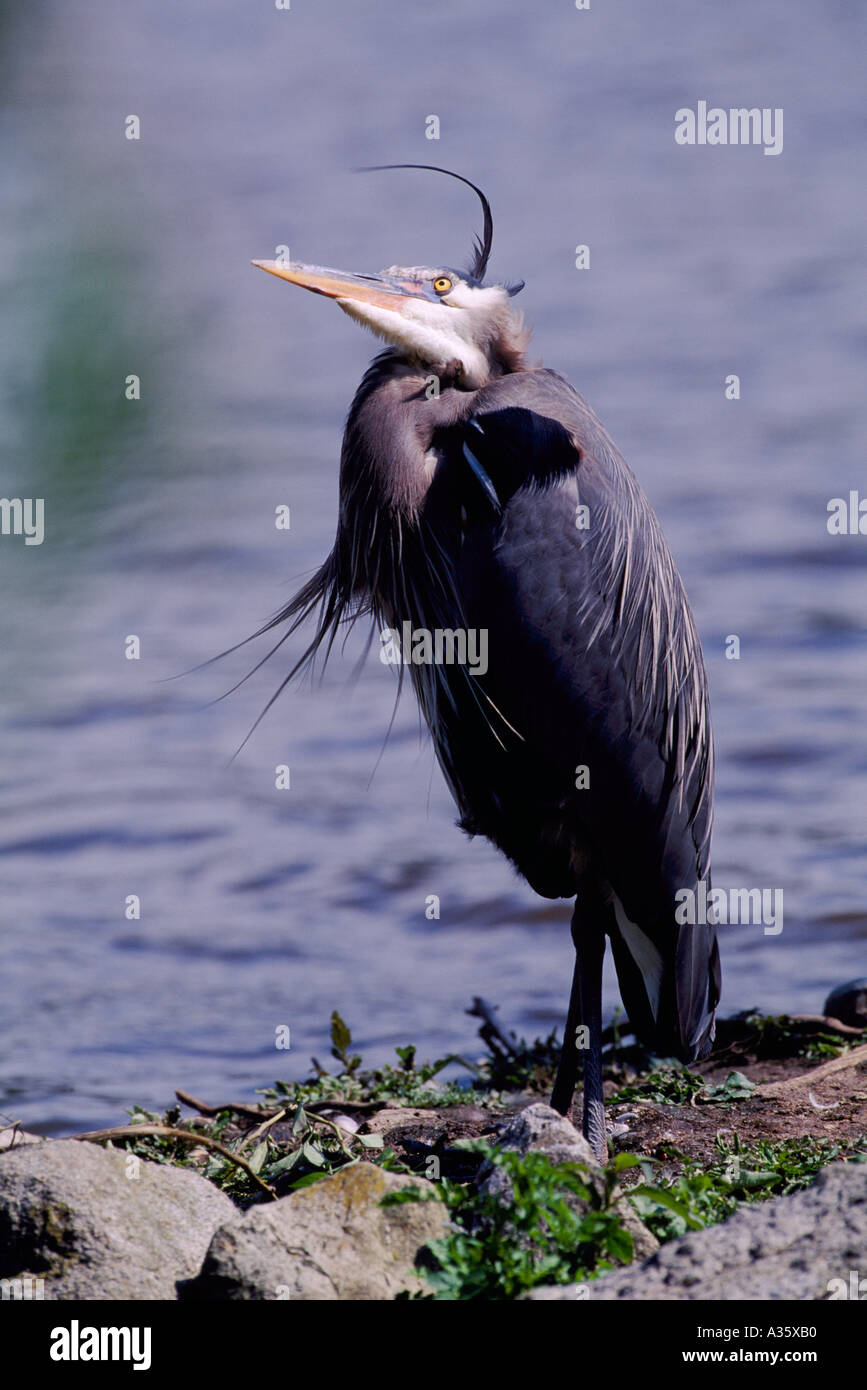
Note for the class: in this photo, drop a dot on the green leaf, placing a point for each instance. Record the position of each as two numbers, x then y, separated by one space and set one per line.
313 1154
370 1141
340 1036
284 1164
300 1122
665 1199
620 1243
307 1180
260 1153
623 1161
735 1087
409 1194
748 1180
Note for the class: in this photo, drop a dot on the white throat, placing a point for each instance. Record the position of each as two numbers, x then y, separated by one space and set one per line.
460 328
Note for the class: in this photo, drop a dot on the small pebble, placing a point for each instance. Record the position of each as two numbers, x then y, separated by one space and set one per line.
345 1121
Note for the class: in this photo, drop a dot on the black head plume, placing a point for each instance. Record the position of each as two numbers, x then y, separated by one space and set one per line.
481 248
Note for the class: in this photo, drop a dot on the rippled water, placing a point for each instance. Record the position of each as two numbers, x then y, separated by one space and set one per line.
263 907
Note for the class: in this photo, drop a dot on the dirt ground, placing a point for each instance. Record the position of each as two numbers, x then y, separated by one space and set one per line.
823 1103
796 1112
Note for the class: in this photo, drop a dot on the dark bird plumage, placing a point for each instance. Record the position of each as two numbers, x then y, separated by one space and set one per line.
461 509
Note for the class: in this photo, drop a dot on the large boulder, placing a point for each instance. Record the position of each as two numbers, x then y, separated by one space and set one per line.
540 1129
94 1223
805 1246
333 1240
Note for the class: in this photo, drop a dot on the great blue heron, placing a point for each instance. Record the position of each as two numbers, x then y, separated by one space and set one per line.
480 493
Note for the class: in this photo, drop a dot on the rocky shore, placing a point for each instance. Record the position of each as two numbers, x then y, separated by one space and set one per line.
342 1197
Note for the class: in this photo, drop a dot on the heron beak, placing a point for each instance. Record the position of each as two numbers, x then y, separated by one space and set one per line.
342 284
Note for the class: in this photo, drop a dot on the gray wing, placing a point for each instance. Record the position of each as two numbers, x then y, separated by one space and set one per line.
594 661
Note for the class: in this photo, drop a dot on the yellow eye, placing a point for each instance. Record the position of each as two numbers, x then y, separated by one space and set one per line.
442 284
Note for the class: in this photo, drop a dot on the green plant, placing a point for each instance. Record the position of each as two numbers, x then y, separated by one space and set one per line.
667 1085
671 1085
772 1036
704 1194
555 1226
410 1084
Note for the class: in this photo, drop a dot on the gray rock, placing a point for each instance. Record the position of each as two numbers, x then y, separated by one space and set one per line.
537 1128
329 1241
790 1248
543 1130
96 1223
12 1138
848 1003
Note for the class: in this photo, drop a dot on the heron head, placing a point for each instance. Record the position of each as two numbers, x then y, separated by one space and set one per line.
446 320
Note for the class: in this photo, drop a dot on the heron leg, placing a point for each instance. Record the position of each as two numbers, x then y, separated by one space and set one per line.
567 1071
585 1012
